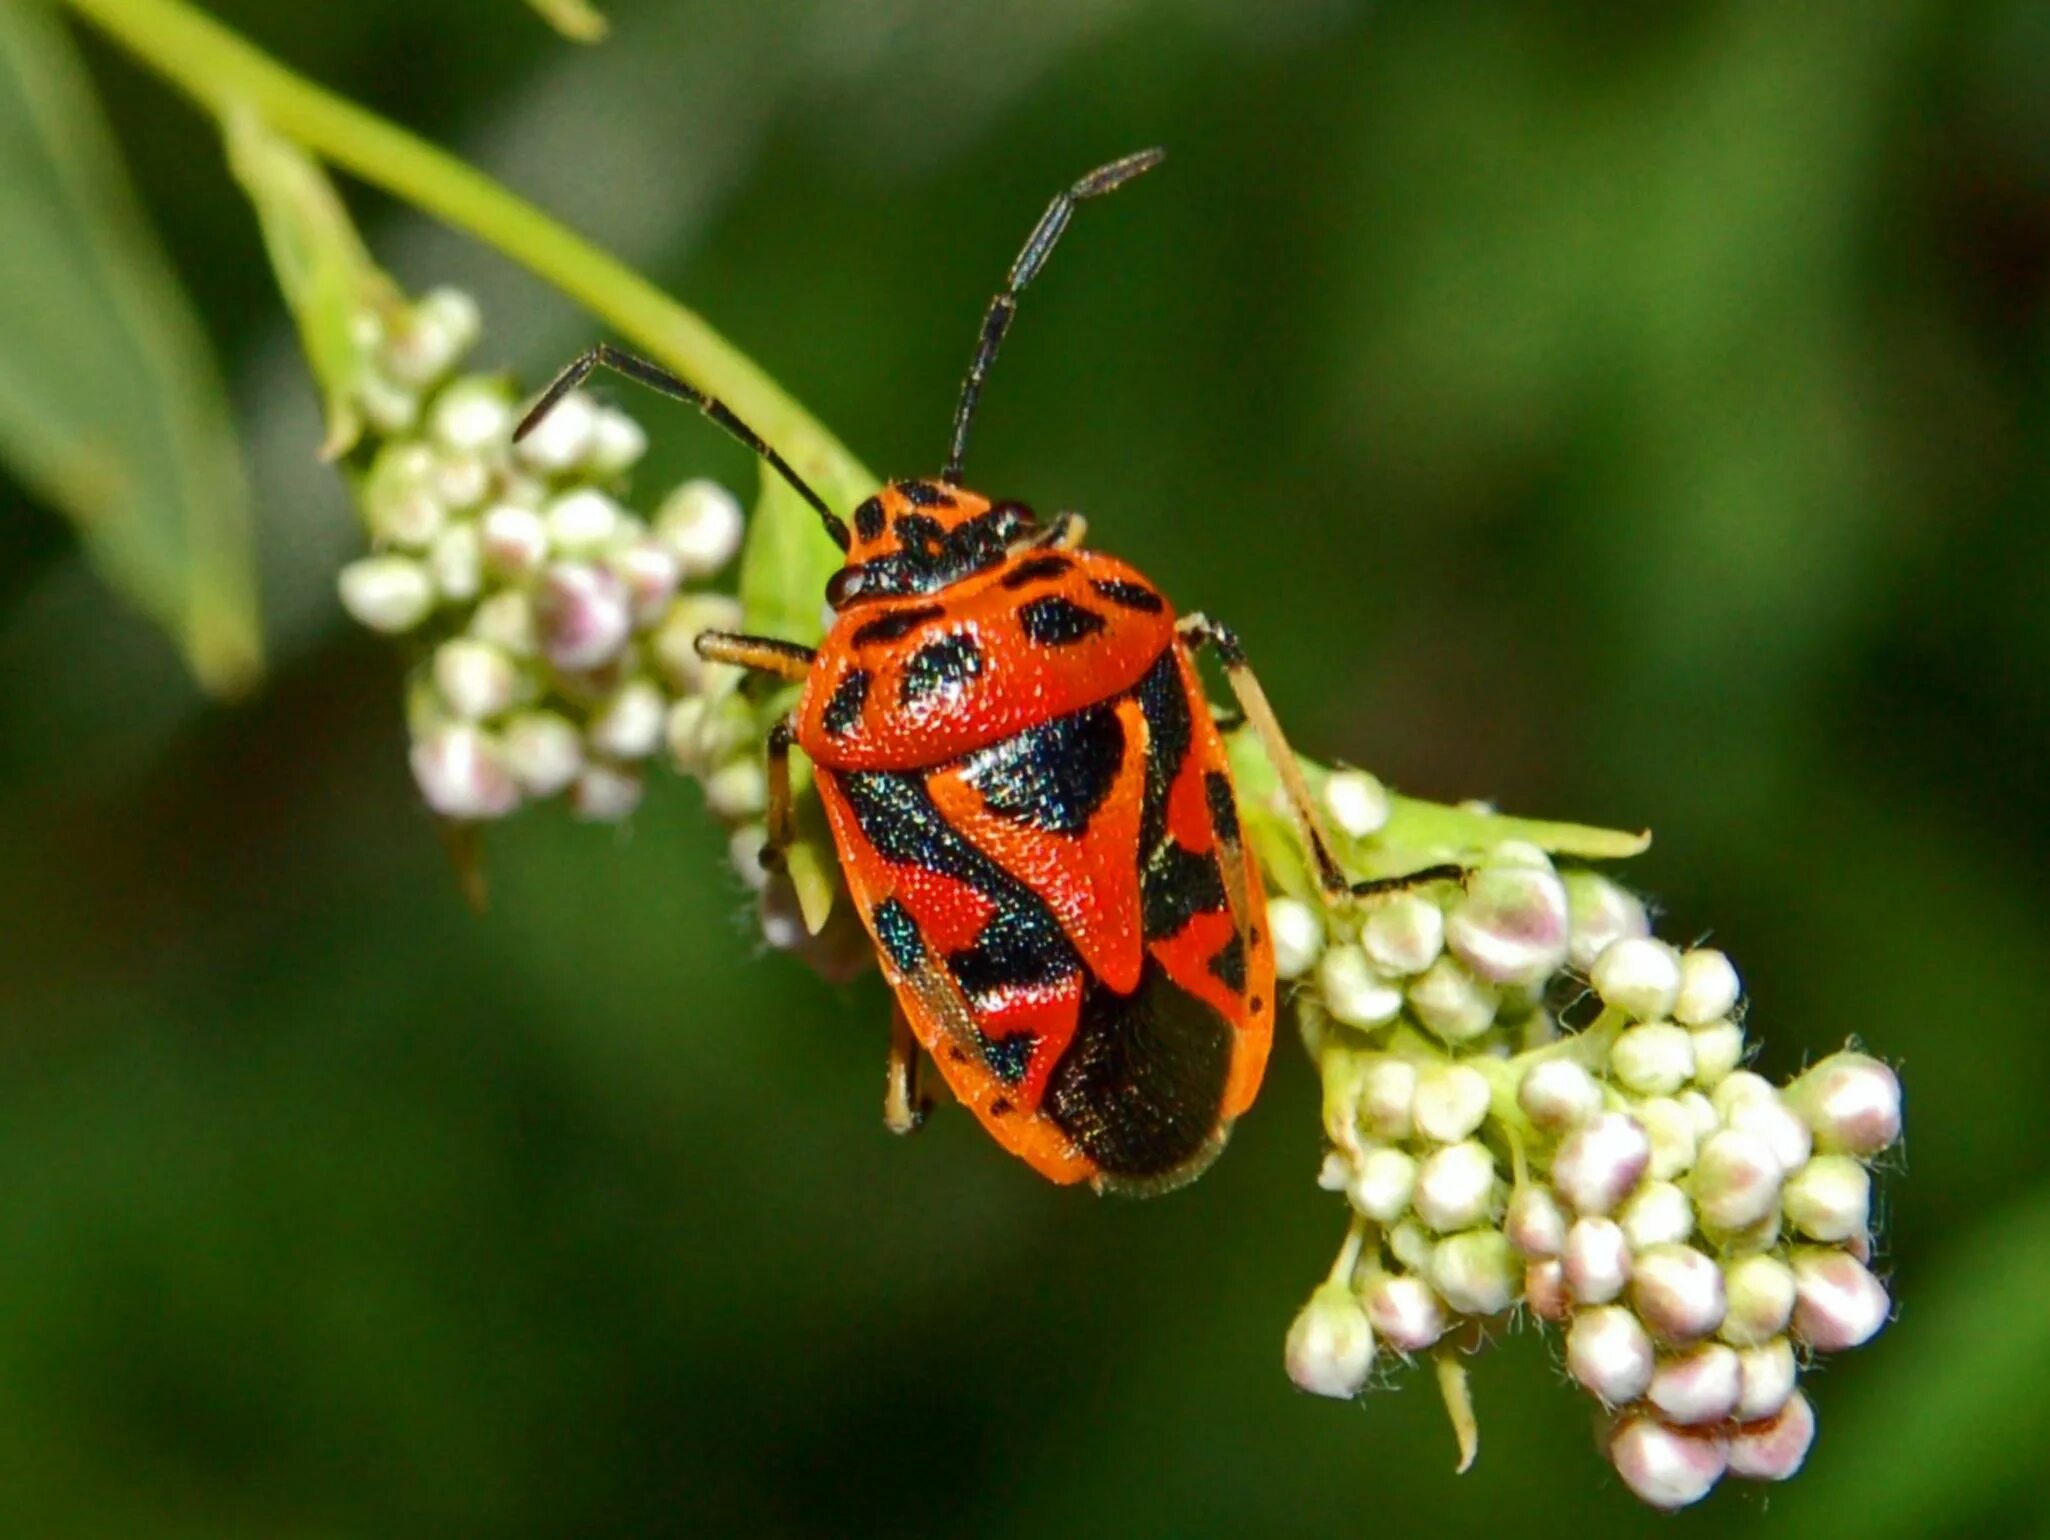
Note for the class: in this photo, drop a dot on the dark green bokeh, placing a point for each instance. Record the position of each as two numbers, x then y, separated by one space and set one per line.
1642 421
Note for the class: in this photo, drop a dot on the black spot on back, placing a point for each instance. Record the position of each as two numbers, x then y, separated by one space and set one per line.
1168 730
1011 952
1057 621
843 708
1140 1087
1009 1057
941 664
896 625
1131 596
926 494
1224 807
1228 964
899 934
868 519
1175 886
1053 776
1036 568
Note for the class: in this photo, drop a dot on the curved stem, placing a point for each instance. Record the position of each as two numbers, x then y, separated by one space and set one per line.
222 72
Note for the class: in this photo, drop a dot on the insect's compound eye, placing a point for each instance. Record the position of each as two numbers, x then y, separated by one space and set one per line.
1011 520
845 584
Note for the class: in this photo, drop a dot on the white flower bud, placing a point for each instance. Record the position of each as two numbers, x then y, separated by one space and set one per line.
433 335
738 789
1602 912
1736 1180
1670 1126
1334 1175
1700 1111
675 640
1772 1120
1387 1097
461 772
1455 1186
1654 1059
1544 1289
1405 1312
1658 1214
1476 1272
1718 1049
1767 1374
1403 934
1557 1094
1739 1090
617 443
605 793
1510 927
1600 1162
1708 987
462 482
506 621
1678 1292
1453 1003
399 498
1382 1186
1609 1352
701 522
1331 1345
651 575
1851 1102
1451 1102
471 415
1597 1259
1773 1450
515 539
583 521
562 438
387 406
1760 1291
1639 976
391 594
1698 1386
1411 1245
456 563
629 725
703 732
1357 803
1666 1467
1829 1199
1838 1304
1534 1222
544 751
1297 934
475 679
1352 991
583 615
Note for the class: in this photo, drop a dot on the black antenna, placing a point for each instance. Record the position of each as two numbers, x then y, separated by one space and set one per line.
656 378
1038 247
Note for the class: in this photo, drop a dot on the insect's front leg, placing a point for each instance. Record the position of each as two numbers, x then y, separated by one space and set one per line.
905 1103
1200 631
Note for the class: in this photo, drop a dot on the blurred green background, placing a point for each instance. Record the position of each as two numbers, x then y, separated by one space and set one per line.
1640 416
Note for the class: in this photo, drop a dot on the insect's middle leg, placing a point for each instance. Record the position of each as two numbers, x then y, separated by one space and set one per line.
781 660
904 1102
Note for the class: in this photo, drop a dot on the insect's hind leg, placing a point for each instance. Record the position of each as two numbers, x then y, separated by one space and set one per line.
1199 631
905 1103
783 660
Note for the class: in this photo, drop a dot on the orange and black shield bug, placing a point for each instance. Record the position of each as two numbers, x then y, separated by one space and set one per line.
1031 805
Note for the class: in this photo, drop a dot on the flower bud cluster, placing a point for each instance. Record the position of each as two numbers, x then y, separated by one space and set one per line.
555 625
1697 1233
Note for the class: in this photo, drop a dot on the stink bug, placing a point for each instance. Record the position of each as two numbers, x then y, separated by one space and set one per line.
1031 804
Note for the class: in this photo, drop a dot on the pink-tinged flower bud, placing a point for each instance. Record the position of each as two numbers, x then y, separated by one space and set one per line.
1639 976
1544 1289
1557 1094
544 751
583 614
1678 1291
1610 1354
515 540
1655 1059
506 620
1718 1050
1298 936
1851 1102
1476 1272
1510 927
1838 1304
1670 1127
1331 1345
701 522
559 440
1666 1467
1387 1097
650 573
456 563
1777 1124
629 725
1600 1162
1403 934
1455 1186
390 594
1405 1312
1451 1102
1760 1293
675 641
1767 1373
1382 1186
1356 801
1773 1449
1699 1386
605 793
461 772
1736 1180
1708 987
1597 1259
1452 1003
1353 993
1657 1214
475 679
617 442
1829 1199
1534 1223
1602 912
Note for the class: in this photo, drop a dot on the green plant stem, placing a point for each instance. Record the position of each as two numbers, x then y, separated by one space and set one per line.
222 72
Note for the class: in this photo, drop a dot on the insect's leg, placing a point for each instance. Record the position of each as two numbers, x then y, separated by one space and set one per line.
781 827
1198 631
904 1103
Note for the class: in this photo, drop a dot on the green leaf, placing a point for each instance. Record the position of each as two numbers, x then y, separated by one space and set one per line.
1413 823
111 407
576 20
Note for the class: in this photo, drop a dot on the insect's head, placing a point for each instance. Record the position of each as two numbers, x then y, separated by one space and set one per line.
915 537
